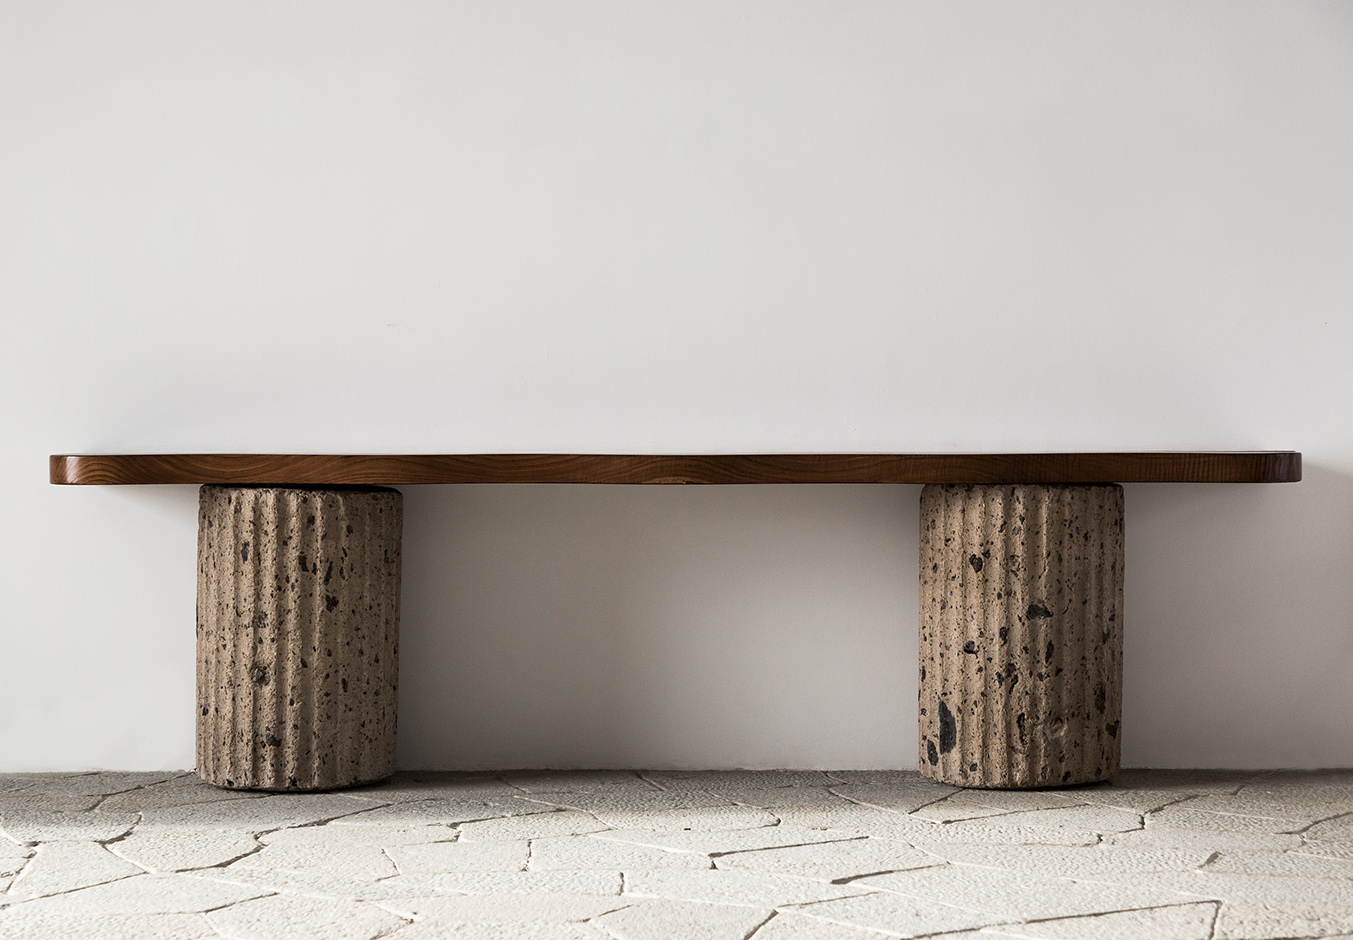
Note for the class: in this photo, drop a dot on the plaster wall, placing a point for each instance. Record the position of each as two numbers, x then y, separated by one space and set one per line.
680 227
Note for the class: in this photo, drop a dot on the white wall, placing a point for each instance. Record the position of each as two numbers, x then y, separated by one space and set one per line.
680 227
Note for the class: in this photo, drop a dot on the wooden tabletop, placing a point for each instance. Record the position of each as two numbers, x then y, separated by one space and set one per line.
392 469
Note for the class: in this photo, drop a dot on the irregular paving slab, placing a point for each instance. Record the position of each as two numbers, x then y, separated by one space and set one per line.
1183 922
442 812
1342 850
1094 818
23 923
512 908
505 882
1282 863
865 821
415 787
945 812
717 780
698 819
9 782
36 799
1327 786
65 866
724 842
1189 815
534 826
1016 801
310 883
460 856
13 857
731 887
434 929
146 894
626 800
257 815
163 850
1253 803
776 798
900 797
1276 891
1339 829
288 917
1015 896
96 784
835 861
1055 861
1138 801
851 817
36 826
589 852
655 809
666 920
576 781
1203 840
1248 921
350 863
789 926
184 790
898 915
988 832
1186 781
337 837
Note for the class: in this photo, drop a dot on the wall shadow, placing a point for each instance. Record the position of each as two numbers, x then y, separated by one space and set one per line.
1239 602
572 626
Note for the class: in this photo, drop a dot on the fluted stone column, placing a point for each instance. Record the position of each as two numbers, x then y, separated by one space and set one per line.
297 636
1021 642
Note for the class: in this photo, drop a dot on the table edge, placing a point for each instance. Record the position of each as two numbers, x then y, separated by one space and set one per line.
645 469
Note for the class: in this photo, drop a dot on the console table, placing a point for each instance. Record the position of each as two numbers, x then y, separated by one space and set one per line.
1021 595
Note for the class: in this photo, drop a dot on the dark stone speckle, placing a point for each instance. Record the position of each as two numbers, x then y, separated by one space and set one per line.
948 729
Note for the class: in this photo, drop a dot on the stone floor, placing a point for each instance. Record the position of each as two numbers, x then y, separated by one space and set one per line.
775 855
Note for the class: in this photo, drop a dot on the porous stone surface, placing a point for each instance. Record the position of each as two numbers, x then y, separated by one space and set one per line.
297 636
1021 634
1105 860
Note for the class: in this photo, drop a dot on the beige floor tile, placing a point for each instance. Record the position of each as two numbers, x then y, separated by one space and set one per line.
25 924
145 894
65 866
667 920
289 917
437 857
1182 922
830 862
184 850
590 852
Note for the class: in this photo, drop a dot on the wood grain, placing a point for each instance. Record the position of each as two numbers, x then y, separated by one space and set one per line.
394 469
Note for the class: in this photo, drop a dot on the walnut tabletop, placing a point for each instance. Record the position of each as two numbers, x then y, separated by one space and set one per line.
393 469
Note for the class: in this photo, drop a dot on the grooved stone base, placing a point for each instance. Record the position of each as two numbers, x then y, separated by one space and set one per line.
297 636
1021 644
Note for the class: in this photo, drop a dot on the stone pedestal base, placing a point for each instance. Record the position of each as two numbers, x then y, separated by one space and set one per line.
297 636
1021 644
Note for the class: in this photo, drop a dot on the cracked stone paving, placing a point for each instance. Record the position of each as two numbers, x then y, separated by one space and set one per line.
770 855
